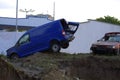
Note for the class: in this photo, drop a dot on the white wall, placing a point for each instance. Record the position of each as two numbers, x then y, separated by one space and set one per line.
89 33
7 40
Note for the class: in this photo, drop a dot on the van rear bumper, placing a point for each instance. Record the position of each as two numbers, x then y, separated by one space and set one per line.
71 38
64 44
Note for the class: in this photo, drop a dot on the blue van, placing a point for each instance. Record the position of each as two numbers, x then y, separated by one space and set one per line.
51 36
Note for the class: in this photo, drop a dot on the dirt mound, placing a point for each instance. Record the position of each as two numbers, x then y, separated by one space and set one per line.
95 68
61 66
7 71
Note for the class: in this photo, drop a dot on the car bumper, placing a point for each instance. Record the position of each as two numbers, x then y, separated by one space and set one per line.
103 50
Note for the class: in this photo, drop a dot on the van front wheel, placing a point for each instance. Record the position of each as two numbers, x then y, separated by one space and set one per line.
14 56
55 47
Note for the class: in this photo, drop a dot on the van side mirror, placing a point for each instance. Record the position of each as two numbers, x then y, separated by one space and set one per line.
17 44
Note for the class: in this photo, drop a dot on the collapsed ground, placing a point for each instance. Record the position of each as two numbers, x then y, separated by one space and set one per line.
61 66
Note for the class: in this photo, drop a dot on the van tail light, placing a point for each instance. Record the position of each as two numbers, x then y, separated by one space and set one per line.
63 32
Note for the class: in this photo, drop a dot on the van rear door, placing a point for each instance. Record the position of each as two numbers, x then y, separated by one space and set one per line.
72 27
69 28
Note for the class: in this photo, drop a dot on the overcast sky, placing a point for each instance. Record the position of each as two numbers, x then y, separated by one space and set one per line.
72 10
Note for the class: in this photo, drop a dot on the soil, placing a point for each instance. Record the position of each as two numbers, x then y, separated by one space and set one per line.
61 66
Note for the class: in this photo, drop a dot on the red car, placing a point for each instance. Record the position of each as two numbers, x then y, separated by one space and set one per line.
109 44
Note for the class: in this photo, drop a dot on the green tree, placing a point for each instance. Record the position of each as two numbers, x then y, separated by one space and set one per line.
109 19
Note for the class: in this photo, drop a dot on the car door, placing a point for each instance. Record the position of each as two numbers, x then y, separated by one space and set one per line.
24 45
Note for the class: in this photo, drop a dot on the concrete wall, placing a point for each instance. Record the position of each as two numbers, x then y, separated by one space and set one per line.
7 40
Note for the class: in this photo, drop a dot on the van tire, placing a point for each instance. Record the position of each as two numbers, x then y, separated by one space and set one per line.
55 47
14 56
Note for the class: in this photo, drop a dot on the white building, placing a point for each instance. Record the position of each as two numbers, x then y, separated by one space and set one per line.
88 33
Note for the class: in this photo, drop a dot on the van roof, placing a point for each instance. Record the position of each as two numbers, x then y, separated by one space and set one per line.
46 24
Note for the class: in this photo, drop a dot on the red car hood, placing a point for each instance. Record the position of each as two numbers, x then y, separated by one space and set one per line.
105 43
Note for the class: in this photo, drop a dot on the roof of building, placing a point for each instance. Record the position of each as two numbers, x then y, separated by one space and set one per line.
91 20
30 21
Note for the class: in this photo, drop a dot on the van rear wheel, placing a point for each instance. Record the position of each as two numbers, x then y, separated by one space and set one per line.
55 47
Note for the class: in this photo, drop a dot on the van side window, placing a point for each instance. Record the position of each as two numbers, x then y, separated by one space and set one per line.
24 39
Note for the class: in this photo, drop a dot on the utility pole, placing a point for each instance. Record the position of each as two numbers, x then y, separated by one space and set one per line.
16 15
27 11
54 11
16 20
